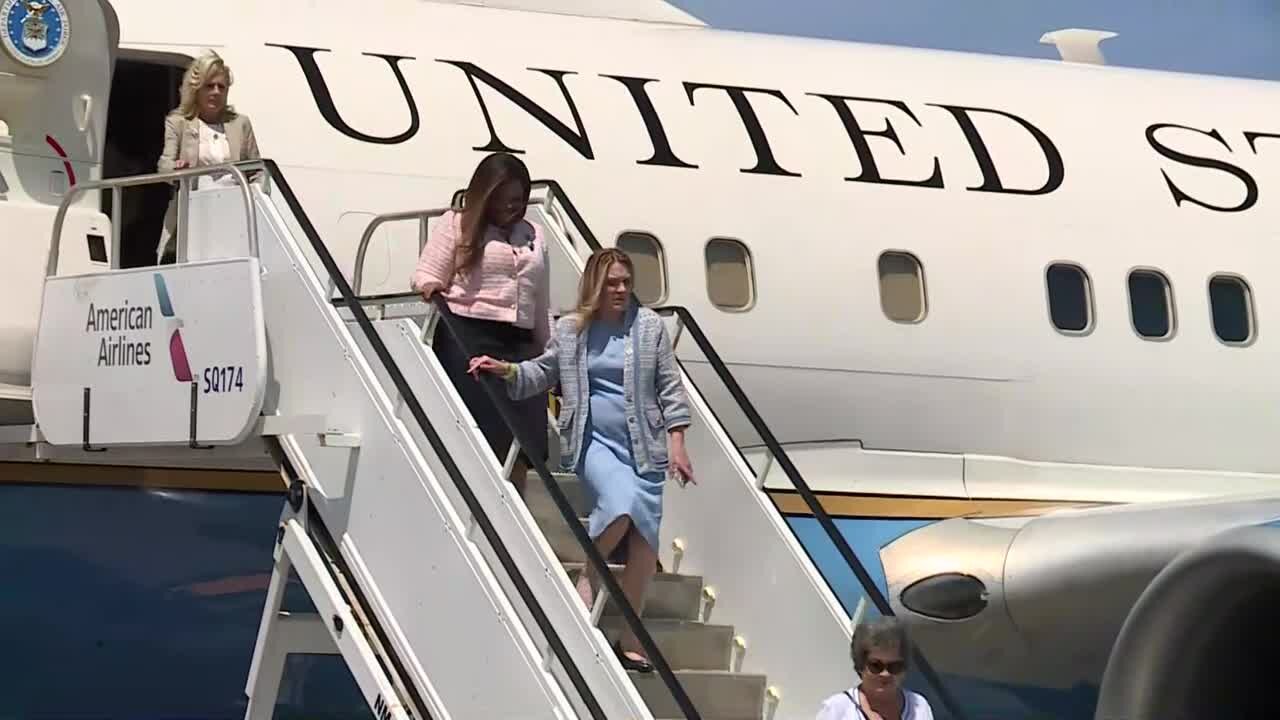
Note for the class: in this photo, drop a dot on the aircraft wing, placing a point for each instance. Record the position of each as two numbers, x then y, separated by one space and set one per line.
655 11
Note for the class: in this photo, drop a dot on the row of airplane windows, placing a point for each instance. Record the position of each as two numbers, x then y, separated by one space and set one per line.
731 287
1151 307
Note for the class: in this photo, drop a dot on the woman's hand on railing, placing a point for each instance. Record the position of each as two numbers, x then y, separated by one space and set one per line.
427 291
678 457
484 363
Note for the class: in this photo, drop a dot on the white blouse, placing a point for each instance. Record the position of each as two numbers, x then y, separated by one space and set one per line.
214 150
842 706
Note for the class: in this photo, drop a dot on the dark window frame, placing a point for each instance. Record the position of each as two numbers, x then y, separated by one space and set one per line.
1170 303
1091 307
1251 308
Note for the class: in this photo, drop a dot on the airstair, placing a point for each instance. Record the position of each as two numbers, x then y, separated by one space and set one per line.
445 593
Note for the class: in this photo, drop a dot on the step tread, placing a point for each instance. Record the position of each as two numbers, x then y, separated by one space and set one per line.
686 645
717 694
572 568
669 624
745 677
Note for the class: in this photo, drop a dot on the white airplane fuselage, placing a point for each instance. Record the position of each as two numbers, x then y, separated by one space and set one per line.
986 169
819 157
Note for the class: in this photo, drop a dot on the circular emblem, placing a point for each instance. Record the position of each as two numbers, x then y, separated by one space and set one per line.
36 32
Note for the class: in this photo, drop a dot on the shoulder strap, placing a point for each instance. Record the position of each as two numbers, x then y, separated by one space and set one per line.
854 699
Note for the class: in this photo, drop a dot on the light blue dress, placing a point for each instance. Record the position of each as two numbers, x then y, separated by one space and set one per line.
606 466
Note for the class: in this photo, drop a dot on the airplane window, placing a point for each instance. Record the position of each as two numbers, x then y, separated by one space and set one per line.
650 282
902 295
730 281
1232 305
1150 304
1070 304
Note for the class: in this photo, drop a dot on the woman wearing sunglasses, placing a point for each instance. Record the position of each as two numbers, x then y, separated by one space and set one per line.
880 652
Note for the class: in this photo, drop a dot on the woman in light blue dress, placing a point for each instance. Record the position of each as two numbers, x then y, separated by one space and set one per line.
622 420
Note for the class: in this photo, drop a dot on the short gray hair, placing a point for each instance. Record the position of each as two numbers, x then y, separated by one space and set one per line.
883 632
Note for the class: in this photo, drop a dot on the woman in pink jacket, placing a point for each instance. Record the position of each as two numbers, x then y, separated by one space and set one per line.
490 266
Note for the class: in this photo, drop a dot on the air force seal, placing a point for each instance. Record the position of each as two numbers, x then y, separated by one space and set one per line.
36 32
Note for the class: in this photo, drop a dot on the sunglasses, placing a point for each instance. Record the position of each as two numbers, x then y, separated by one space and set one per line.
897 667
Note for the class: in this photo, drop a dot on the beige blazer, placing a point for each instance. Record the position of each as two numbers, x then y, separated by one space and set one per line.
182 142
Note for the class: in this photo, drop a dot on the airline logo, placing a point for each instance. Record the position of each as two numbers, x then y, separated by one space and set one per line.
177 351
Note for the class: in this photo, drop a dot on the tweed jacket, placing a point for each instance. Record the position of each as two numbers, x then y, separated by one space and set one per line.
655 397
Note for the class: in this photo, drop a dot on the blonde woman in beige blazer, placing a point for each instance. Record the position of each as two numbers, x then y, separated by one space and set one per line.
203 130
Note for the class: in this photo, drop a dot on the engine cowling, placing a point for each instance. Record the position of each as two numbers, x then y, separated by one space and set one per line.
1202 641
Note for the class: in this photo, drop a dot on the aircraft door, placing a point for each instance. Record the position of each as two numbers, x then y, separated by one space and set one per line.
56 59
55 79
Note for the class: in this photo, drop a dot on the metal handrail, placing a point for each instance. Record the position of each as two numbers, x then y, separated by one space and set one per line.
554 193
414 406
422 216
237 171
497 393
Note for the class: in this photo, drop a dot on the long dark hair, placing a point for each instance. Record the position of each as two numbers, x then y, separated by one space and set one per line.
492 173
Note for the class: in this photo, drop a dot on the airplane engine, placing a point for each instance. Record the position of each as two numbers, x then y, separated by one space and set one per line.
1034 605
1203 639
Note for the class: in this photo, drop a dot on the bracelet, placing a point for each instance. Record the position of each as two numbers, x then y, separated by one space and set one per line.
512 369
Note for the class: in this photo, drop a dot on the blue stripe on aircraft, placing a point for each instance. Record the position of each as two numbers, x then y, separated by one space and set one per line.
138 603
865 537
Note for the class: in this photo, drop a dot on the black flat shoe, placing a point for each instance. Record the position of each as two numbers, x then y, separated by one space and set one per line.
631 664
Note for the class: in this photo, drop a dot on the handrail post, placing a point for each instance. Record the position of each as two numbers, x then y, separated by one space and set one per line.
250 219
762 477
366 238
55 242
116 198
184 198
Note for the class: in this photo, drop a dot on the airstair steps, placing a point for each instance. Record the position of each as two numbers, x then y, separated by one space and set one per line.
700 654
686 644
544 509
670 596
718 694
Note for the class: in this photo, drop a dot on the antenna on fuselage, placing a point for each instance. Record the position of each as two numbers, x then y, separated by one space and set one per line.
1078 45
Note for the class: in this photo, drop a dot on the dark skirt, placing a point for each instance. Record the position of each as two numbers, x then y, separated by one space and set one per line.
503 341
